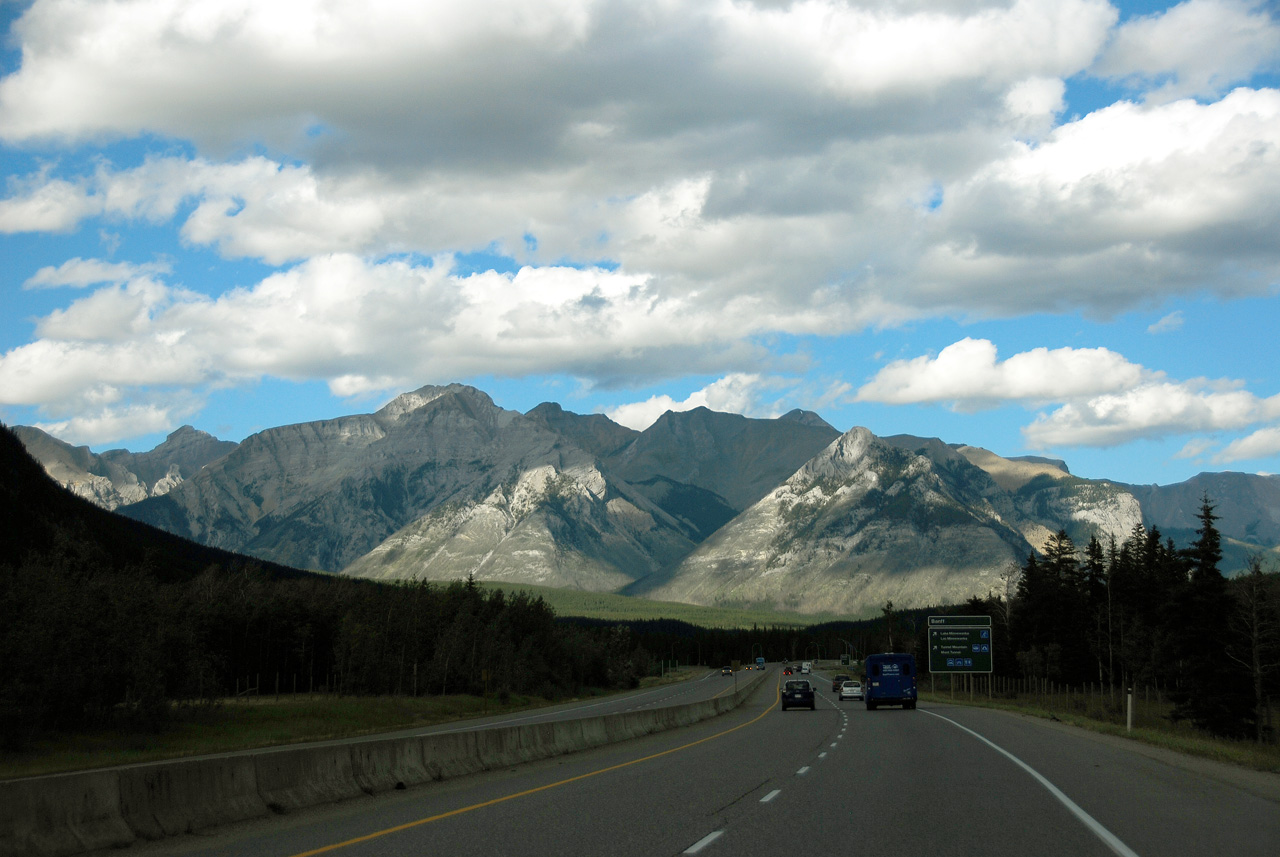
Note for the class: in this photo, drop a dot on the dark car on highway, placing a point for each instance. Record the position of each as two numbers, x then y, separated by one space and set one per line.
798 693
837 681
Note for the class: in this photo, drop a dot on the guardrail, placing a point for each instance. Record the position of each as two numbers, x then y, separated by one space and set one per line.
64 814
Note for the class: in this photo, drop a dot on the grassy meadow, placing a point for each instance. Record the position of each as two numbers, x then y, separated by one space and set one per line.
623 608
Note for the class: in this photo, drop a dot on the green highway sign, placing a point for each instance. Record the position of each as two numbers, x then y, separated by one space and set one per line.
959 648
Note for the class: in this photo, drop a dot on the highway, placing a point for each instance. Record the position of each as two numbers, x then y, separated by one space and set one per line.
941 780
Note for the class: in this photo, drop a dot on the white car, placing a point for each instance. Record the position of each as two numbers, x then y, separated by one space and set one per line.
851 690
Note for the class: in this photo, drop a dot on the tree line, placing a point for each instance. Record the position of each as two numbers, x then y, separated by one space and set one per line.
84 646
1142 612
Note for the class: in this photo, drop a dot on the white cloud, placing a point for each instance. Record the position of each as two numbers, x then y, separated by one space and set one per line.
1195 448
1263 443
1197 48
1105 400
81 273
692 176
968 375
1169 323
694 158
1127 205
368 326
1153 409
223 72
112 423
45 205
739 393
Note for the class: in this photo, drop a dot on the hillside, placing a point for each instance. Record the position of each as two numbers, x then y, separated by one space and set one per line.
39 518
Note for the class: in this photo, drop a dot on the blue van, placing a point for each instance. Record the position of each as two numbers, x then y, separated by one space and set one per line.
891 680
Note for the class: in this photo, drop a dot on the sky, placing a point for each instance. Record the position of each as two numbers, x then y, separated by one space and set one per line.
1042 227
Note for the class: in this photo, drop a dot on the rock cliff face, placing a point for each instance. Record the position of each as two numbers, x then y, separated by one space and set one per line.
567 528
1048 498
320 495
864 522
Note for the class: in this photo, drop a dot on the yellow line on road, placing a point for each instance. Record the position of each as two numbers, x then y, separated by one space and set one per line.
482 805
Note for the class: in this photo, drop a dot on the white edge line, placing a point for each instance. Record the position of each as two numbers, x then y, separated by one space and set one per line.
1110 839
771 795
703 842
802 771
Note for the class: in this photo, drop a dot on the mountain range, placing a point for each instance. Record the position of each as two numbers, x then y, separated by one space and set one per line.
701 507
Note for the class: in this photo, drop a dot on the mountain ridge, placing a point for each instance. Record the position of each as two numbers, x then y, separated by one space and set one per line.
441 482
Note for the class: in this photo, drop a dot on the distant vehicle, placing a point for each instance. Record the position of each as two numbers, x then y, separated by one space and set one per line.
837 681
759 663
798 693
891 680
788 671
726 670
806 668
851 690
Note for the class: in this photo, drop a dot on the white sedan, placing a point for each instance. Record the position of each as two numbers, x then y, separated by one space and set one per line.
851 690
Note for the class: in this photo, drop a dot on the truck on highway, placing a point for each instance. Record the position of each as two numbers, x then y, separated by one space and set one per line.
759 663
891 680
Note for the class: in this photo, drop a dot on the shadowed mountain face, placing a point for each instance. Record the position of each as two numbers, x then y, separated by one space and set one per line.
702 506
118 477
42 525
737 458
1247 504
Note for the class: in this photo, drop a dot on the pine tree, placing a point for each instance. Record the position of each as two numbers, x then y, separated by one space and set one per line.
1213 692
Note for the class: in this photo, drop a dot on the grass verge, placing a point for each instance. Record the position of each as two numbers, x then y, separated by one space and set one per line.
246 724
1153 726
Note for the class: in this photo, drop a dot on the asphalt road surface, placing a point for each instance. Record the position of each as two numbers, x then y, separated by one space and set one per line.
940 780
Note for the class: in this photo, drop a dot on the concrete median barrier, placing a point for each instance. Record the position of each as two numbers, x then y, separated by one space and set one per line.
66 814
168 798
62 815
296 777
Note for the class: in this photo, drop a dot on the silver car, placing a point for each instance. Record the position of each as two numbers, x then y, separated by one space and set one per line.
851 690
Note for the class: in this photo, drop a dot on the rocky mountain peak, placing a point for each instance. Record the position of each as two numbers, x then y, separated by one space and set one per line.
407 403
841 458
807 418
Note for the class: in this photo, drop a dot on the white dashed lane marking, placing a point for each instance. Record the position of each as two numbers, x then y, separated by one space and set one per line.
704 842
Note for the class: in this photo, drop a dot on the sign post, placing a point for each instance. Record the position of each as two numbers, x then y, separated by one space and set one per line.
960 644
